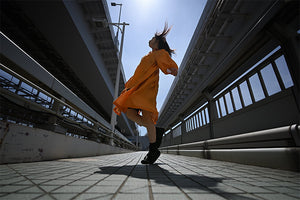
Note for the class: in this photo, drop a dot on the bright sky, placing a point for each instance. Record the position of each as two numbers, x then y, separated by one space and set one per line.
147 17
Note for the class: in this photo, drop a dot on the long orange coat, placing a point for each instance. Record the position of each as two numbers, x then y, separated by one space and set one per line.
141 89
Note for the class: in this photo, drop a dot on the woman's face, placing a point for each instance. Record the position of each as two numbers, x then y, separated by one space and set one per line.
153 43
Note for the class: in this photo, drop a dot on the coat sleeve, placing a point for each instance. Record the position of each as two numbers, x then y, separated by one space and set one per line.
164 61
130 83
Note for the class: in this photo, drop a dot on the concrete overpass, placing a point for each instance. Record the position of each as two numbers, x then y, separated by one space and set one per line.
62 37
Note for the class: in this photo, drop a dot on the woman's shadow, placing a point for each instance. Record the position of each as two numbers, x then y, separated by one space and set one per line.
193 183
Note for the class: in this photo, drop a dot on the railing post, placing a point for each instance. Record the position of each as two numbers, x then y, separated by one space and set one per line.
171 135
51 123
183 129
287 38
212 112
57 108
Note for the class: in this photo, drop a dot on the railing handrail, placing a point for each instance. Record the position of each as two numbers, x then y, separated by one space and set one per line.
287 132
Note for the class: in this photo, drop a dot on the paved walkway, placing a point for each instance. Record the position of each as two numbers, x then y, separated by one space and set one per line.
122 176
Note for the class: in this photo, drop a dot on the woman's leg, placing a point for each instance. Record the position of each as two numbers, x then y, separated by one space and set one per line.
153 153
147 118
133 115
144 120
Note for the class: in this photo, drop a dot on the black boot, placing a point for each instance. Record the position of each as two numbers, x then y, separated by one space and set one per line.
159 135
152 155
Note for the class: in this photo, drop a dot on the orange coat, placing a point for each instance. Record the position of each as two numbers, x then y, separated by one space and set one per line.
141 89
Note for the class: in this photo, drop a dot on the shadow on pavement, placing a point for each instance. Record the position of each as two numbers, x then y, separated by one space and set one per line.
187 182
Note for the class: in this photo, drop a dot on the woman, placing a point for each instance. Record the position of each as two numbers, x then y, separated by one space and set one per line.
139 95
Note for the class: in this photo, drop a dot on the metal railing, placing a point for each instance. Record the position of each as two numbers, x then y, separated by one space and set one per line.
275 148
267 77
263 80
42 108
197 119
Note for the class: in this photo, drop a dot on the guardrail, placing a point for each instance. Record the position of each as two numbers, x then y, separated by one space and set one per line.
265 81
274 148
266 78
41 109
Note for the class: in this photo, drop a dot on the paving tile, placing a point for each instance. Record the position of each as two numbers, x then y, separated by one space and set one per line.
39 181
297 195
33 189
276 197
252 189
70 189
286 190
122 176
170 196
225 189
44 197
237 183
137 181
64 196
135 188
94 196
242 197
94 177
206 197
165 189
132 196
16 196
242 179
265 179
57 182
196 189
287 184
12 188
49 188
25 182
107 182
103 189
12 180
263 184
83 183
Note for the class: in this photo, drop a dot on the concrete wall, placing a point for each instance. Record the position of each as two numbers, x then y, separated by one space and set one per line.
25 144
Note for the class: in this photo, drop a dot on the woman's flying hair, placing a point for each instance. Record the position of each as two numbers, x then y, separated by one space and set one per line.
162 42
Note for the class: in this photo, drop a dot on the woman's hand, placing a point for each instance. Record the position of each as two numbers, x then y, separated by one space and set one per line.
172 71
